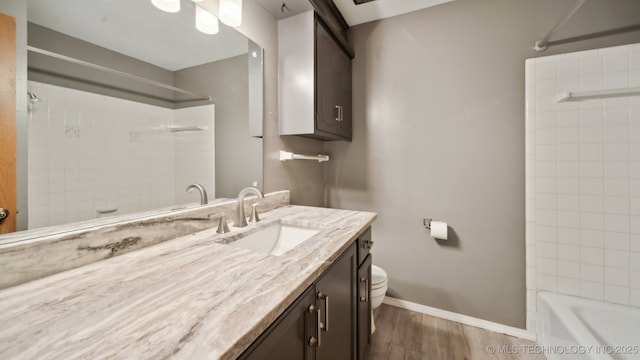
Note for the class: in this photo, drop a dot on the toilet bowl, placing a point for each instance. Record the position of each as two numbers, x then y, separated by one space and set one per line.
378 285
378 289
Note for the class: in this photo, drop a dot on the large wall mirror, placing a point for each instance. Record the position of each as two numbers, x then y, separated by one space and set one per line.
129 105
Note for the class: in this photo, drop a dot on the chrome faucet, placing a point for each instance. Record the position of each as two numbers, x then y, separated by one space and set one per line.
241 220
203 193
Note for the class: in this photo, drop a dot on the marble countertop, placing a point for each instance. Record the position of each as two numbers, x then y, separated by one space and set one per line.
188 298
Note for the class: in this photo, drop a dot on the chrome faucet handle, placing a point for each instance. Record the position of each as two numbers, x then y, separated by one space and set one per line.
254 218
223 227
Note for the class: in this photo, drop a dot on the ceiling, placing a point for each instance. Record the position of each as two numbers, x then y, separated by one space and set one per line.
352 13
137 29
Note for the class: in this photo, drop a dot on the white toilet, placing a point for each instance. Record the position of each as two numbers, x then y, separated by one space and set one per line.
378 289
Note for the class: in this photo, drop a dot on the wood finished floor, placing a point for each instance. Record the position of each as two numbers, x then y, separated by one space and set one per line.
407 335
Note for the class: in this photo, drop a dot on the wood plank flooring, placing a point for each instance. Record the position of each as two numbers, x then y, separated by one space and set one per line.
407 335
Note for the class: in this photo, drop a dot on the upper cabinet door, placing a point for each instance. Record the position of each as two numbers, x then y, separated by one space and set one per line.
333 86
314 79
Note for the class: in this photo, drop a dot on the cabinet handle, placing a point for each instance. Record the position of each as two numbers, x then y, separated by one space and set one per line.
325 298
366 290
312 340
369 243
341 114
338 113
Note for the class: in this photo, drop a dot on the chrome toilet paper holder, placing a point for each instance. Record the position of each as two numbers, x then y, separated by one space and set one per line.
427 223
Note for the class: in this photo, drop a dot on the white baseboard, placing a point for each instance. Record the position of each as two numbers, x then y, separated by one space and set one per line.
464 319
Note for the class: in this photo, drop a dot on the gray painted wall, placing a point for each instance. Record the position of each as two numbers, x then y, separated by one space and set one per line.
439 132
238 157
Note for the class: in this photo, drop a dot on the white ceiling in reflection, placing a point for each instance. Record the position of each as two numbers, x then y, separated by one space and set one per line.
136 28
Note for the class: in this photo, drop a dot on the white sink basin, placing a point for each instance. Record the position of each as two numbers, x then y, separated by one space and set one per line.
275 239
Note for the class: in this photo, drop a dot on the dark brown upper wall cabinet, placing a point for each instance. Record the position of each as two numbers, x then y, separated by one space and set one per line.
314 84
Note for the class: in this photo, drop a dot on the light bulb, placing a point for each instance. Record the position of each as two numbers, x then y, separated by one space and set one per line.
206 22
170 6
231 12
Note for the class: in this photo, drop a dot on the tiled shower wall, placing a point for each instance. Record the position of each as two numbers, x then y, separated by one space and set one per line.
583 178
89 153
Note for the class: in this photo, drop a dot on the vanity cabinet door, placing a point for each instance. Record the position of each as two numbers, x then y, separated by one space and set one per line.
335 297
364 307
288 338
333 86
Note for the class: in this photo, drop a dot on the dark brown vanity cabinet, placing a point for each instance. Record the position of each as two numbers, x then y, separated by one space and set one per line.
364 243
314 79
288 337
331 320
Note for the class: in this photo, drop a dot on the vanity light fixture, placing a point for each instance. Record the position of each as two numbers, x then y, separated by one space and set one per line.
170 6
206 22
231 12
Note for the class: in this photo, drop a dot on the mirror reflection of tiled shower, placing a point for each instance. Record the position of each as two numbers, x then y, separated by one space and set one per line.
91 155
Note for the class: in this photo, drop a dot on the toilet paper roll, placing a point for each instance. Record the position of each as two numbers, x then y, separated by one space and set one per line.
439 230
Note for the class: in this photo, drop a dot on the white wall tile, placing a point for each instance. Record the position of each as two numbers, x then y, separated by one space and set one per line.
634 60
618 80
569 169
531 278
592 203
568 252
592 221
571 202
546 168
616 241
634 224
616 223
569 286
616 276
617 294
546 185
565 119
591 118
591 244
546 217
634 297
546 250
634 261
634 206
592 256
588 66
547 282
591 152
591 238
547 266
634 280
591 169
591 134
569 219
616 169
565 185
616 205
616 259
592 290
570 236
568 269
616 63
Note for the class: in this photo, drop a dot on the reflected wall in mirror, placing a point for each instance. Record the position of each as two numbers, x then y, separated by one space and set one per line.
102 144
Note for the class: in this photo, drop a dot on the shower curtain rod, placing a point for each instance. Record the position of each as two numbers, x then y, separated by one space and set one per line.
543 44
198 97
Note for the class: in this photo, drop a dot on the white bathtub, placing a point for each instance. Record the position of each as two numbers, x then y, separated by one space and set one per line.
570 327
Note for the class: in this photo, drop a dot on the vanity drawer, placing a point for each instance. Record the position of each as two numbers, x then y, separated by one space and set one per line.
364 245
